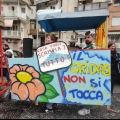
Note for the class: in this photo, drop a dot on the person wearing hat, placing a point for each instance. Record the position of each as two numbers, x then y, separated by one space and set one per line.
89 38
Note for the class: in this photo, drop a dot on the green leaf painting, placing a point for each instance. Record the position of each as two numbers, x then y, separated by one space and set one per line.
46 78
50 92
42 98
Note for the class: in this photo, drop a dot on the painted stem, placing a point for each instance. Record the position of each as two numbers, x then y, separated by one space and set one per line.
62 91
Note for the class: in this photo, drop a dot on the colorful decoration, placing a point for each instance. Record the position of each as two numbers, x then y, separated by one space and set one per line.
27 83
102 35
85 81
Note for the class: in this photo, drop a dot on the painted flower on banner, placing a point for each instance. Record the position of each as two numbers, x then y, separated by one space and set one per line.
25 82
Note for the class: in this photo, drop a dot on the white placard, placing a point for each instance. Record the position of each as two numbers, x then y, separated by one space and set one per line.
53 56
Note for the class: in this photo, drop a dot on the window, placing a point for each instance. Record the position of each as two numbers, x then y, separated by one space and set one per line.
31 11
23 10
14 27
15 46
13 8
116 21
33 25
116 2
52 7
115 39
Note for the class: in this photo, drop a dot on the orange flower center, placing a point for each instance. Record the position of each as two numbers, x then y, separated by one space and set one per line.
24 77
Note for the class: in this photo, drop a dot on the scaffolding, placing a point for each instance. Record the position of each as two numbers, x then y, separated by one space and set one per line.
4 86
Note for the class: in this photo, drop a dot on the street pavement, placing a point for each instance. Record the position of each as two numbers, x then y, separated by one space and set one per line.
28 110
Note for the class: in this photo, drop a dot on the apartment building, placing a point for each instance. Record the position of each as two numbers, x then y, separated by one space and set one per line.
16 14
114 22
40 5
70 37
73 37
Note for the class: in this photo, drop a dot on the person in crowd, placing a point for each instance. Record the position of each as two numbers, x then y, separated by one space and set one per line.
21 50
50 38
7 51
89 38
5 66
114 63
114 67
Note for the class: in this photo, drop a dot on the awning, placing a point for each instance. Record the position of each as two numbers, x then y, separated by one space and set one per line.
113 33
8 23
52 22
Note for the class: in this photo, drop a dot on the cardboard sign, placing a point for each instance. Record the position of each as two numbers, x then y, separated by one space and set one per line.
53 56
86 81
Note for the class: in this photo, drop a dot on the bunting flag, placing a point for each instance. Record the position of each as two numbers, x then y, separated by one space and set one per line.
102 35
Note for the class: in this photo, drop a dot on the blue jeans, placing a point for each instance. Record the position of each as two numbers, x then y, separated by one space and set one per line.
49 105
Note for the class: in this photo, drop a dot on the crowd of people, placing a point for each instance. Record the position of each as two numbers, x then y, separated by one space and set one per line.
89 38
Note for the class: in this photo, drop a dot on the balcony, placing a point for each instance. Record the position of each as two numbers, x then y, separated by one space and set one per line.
91 6
11 34
33 32
21 2
24 17
21 16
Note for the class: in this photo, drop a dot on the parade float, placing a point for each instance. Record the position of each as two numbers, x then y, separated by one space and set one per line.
58 74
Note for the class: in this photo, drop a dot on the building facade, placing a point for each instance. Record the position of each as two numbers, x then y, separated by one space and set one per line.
114 22
73 37
20 20
17 21
34 26
69 37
